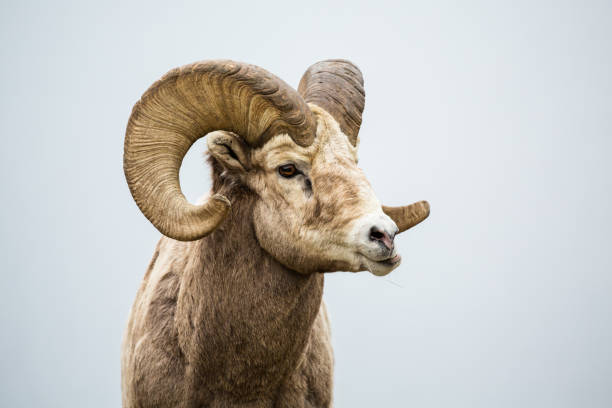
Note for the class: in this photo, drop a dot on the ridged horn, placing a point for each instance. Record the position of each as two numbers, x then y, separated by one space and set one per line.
408 216
336 86
186 104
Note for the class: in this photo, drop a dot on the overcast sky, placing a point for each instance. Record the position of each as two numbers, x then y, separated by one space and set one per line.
498 113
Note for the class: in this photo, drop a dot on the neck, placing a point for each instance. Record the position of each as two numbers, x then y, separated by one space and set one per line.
242 306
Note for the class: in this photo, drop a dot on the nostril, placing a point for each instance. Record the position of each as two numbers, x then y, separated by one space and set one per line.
382 237
376 234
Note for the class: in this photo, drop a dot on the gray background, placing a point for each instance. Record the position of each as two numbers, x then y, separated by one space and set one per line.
499 114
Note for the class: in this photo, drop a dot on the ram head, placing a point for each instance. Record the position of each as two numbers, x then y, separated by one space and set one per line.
295 151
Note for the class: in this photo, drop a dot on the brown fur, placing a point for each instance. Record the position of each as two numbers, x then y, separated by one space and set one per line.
218 322
236 319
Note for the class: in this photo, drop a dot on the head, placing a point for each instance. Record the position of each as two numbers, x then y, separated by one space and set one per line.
296 151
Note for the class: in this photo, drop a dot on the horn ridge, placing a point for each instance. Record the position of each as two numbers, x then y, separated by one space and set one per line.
186 104
336 85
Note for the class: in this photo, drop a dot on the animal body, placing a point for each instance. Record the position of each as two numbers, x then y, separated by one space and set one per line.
230 311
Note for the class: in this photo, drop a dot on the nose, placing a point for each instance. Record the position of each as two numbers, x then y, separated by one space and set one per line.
380 235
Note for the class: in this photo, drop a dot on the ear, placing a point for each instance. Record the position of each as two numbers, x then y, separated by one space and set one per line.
229 149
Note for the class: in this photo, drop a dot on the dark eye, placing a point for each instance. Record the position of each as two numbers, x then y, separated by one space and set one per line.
287 170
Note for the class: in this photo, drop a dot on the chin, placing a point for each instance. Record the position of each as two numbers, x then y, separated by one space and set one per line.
384 267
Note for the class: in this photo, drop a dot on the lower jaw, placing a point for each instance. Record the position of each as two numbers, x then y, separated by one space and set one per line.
380 272
383 268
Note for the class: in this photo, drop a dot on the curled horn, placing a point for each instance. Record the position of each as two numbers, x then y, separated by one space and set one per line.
337 86
186 104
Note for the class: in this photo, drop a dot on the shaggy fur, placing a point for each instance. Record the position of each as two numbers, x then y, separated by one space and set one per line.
236 318
220 322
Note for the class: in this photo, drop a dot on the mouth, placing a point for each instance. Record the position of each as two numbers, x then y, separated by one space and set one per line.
392 261
384 266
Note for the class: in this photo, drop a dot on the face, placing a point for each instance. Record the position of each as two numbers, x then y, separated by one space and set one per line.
316 210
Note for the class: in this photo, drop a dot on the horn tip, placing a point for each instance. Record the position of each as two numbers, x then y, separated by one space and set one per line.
426 208
223 200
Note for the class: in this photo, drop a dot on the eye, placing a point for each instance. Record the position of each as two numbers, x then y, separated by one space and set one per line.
288 170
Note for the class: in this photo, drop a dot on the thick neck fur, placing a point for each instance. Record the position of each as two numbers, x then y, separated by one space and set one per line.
243 319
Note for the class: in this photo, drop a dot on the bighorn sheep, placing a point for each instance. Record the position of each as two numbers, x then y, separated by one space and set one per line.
230 312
